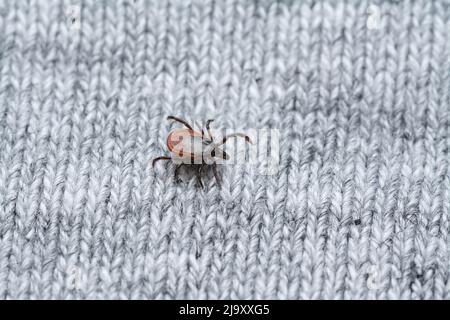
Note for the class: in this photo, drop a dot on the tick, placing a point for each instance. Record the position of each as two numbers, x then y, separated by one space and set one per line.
192 147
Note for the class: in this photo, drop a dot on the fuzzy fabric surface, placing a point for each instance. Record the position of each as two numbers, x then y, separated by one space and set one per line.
359 207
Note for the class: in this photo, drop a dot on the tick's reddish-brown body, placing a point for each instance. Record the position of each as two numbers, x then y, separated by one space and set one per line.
194 147
176 142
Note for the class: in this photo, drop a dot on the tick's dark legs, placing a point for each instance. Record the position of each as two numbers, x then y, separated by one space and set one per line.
207 128
199 176
216 175
176 173
234 135
159 158
180 121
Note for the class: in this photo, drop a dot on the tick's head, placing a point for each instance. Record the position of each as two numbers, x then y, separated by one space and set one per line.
219 153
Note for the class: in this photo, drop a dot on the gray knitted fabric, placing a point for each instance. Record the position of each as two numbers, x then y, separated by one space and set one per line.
359 207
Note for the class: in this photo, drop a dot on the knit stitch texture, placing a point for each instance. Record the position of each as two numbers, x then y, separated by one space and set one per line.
359 91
